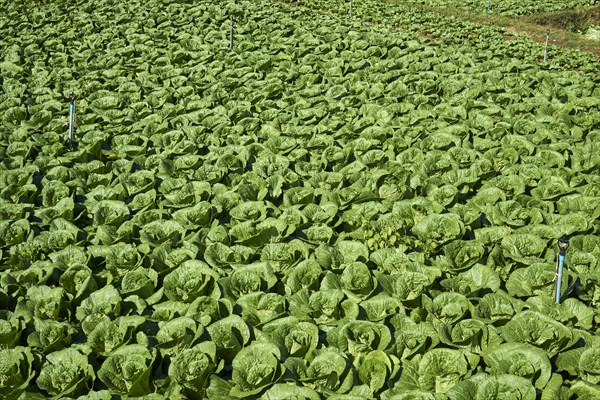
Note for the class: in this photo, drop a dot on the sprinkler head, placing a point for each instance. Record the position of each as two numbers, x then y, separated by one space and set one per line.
563 245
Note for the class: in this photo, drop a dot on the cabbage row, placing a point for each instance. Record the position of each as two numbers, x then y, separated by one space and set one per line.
329 210
451 30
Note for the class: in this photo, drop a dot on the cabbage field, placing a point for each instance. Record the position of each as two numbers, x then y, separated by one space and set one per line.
333 208
414 16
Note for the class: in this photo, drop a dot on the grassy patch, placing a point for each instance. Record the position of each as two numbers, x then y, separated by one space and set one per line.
576 21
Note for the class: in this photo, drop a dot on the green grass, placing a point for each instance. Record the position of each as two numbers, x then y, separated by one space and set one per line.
575 21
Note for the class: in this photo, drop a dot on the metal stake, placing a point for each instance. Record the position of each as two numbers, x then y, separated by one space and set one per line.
71 119
231 29
563 245
546 48
350 10
489 5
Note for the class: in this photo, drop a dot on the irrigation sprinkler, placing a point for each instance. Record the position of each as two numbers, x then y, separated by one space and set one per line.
72 119
563 245
546 47
231 29
350 11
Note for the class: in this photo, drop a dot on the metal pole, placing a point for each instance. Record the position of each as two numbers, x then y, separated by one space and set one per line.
71 119
546 48
489 5
350 10
563 245
232 27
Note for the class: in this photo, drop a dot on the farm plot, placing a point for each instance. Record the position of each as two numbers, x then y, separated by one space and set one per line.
457 31
327 210
508 7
